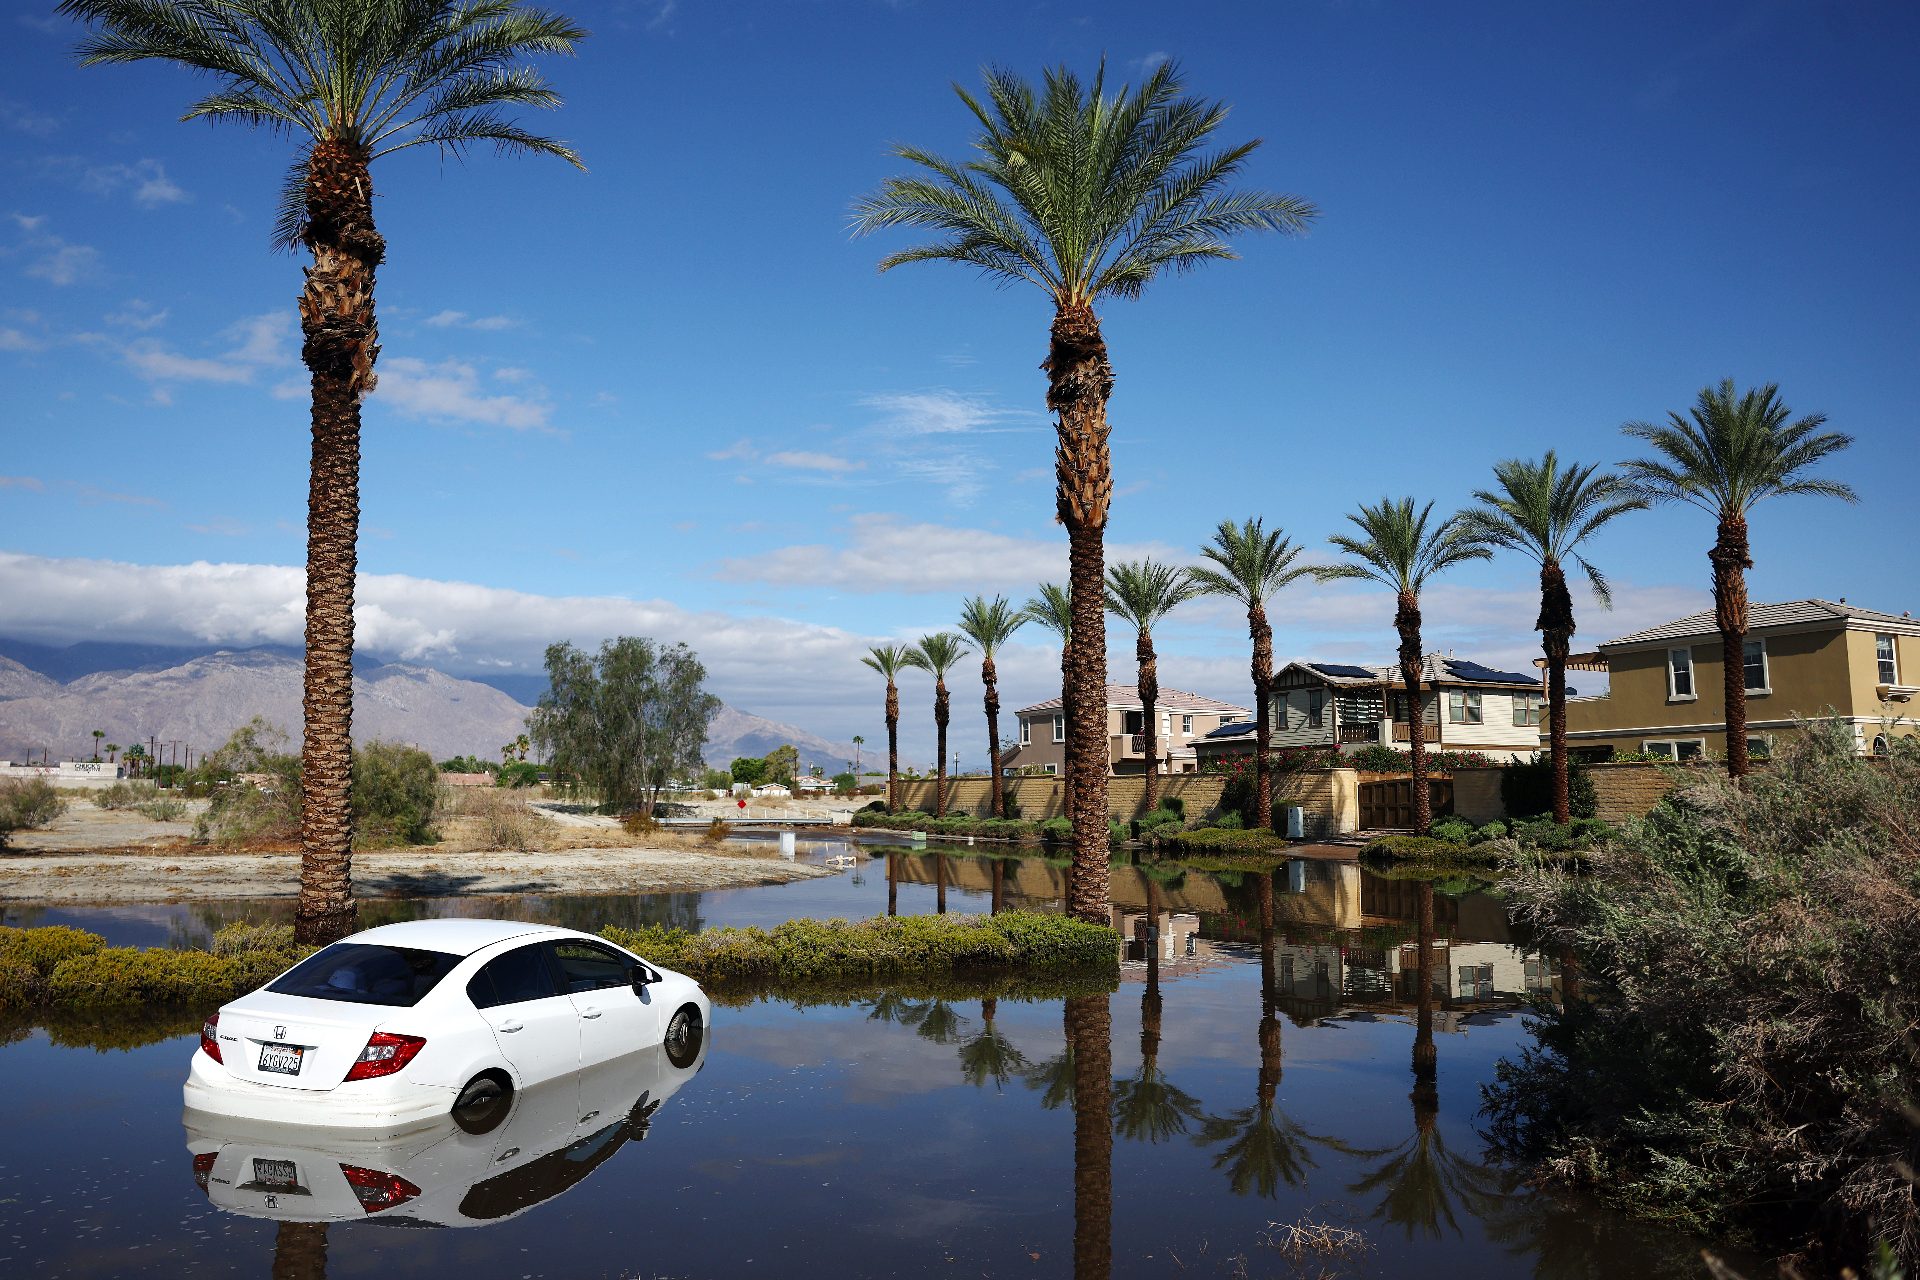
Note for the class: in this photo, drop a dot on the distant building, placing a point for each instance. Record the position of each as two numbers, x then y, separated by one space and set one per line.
1803 658
67 773
1184 718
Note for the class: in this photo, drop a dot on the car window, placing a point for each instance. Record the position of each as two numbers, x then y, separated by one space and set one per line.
519 975
587 967
366 973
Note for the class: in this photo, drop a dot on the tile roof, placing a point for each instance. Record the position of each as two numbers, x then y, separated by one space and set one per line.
1127 697
1435 669
1760 616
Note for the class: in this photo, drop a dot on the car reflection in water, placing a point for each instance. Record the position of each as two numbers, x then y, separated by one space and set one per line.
466 1170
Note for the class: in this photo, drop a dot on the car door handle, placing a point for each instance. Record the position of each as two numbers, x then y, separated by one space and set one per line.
589 1013
511 1027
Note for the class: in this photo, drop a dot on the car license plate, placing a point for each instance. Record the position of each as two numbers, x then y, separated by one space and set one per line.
278 1175
281 1058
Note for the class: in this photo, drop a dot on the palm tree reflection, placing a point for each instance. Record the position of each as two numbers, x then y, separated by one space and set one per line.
990 1055
300 1251
1089 1027
1149 1107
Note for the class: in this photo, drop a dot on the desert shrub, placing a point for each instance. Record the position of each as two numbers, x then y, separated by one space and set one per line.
71 969
1229 840
395 789
124 795
163 809
241 938
44 948
241 813
21 985
1526 786
518 773
717 830
26 803
1495 830
1452 830
1741 1056
638 822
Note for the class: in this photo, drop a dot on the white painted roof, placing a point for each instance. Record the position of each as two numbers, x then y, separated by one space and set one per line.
455 937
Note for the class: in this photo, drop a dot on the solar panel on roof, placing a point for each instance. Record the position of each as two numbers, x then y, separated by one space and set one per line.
1341 672
1487 675
1235 730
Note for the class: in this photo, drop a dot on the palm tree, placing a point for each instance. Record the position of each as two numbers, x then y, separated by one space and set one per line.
1726 455
1252 565
989 626
890 660
1052 608
113 752
1086 197
1546 512
858 742
98 735
1143 592
936 654
1149 1107
355 80
1401 552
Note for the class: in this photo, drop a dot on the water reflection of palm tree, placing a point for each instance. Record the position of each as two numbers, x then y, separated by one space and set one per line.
1149 1107
893 884
990 1055
300 1251
1089 1027
1261 1146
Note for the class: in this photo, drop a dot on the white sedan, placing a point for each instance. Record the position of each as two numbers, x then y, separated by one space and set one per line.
417 1020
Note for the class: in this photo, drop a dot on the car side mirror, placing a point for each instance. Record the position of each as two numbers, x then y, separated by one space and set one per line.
643 977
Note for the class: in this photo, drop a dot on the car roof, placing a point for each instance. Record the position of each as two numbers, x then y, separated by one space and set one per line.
456 937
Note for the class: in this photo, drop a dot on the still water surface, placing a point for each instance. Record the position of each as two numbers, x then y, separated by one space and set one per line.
1241 1076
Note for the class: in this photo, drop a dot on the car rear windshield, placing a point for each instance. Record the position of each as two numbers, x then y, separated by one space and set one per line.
366 973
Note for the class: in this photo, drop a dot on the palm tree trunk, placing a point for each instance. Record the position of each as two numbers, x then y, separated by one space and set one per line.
893 884
1555 625
340 344
940 745
940 884
1149 678
1406 620
1425 1055
300 1251
989 677
1262 717
1080 380
1089 1027
893 746
1730 561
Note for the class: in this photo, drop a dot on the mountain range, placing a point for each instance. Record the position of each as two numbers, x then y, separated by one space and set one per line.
53 699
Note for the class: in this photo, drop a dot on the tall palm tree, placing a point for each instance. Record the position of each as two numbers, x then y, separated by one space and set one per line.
99 736
1085 196
936 654
1401 552
1251 565
1546 512
989 626
354 80
1728 453
1052 608
1143 592
890 660
858 742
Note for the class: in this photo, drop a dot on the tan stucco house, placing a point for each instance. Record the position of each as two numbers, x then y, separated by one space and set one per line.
1804 658
1184 719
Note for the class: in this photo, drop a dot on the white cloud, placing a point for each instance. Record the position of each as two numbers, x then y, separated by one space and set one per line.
262 339
16 340
145 179
450 392
21 482
461 320
23 119
158 363
138 314
804 461
50 257
739 449
259 342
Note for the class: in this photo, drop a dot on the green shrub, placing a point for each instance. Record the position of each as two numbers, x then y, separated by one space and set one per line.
44 948
1419 849
1176 806
27 803
241 813
1526 786
163 809
1228 821
1056 830
65 968
518 773
395 789
124 795
241 938
21 985
1495 830
1452 830
1229 839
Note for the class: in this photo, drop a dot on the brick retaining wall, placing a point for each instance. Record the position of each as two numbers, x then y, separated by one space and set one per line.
1330 797
1620 791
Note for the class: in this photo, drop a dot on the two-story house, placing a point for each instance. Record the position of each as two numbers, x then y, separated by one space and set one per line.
1184 718
1802 659
1464 706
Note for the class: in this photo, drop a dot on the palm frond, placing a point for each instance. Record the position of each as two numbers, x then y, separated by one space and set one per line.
990 624
1732 450
1142 592
888 659
937 653
1052 607
1249 563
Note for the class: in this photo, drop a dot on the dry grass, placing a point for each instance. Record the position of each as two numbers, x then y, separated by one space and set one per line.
487 819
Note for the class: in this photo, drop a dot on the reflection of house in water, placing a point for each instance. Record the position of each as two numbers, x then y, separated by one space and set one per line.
1176 941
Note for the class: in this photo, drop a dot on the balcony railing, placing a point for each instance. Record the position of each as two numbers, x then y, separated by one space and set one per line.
1428 733
1126 746
1367 731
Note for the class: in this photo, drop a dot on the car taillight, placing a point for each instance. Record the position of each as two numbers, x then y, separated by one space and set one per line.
385 1054
210 1038
203 1168
375 1190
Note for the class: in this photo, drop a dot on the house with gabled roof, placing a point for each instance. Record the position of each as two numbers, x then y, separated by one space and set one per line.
1184 718
1802 658
1464 706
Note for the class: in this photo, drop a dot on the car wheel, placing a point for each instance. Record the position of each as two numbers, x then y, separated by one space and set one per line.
483 1104
682 1041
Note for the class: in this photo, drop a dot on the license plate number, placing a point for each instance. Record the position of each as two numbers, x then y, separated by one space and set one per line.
281 1058
277 1174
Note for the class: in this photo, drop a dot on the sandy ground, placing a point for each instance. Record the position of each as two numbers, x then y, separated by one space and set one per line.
99 855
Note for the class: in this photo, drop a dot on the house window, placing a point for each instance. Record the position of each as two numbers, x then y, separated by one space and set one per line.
1429 709
1756 660
1316 709
1463 706
1529 708
1759 748
1059 728
1884 656
1679 673
1677 748
1026 733
1166 725
1880 744
1052 768
1133 722
1186 726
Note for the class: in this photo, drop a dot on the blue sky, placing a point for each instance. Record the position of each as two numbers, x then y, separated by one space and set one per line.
671 395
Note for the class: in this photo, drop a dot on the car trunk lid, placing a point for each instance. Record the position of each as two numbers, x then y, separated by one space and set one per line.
295 1042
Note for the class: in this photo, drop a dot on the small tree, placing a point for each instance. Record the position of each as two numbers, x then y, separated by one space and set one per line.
751 770
783 762
395 790
622 723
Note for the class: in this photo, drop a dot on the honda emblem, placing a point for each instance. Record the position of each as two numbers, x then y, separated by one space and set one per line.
279 1033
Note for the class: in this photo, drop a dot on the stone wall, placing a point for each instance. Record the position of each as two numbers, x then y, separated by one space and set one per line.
1330 797
1621 791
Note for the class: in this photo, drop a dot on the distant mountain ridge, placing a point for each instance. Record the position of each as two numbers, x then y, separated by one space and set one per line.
136 692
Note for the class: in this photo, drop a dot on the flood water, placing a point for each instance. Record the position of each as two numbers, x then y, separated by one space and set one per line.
1244 1074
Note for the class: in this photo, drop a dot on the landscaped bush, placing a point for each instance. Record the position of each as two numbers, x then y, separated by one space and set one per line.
808 951
44 948
1375 758
959 826
1542 832
1741 1059
1495 830
1228 821
1452 830
1229 839
68 968
1420 849
1526 786
26 803
1055 830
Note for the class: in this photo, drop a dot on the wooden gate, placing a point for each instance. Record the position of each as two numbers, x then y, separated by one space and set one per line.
1390 803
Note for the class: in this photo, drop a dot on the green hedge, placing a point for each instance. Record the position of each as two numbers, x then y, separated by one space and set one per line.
65 968
979 828
812 951
1422 849
1228 840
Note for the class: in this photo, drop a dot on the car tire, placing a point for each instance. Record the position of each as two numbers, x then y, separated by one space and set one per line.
484 1103
683 1037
